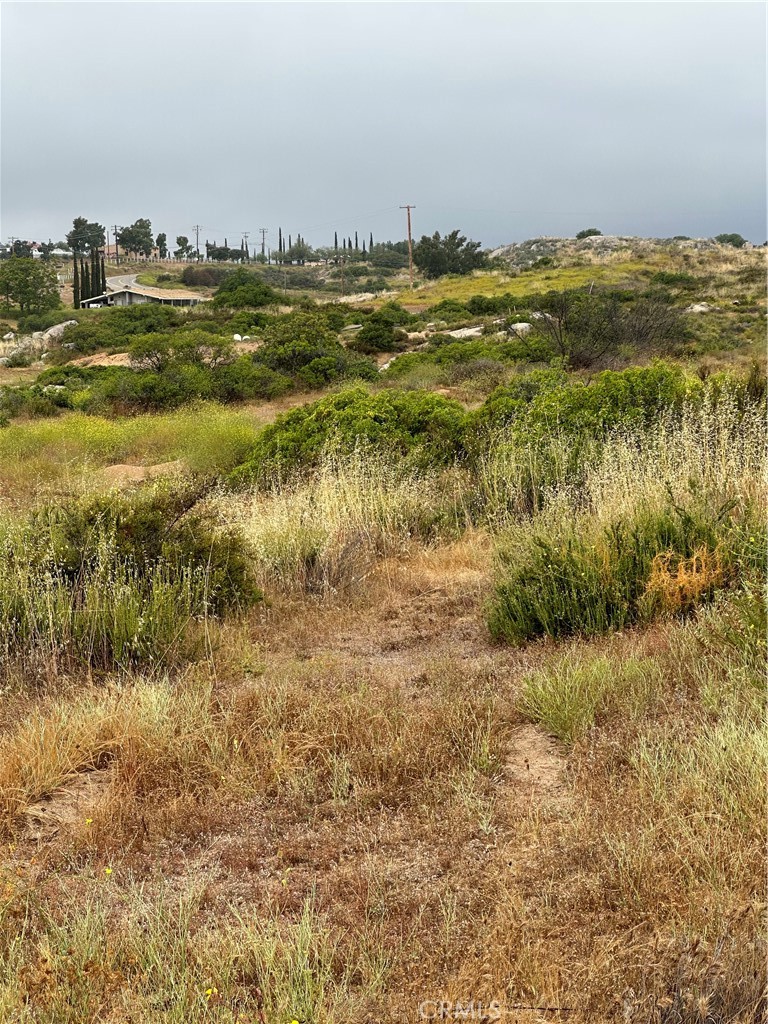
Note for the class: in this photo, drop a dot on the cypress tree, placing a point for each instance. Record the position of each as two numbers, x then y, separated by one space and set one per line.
344 244
103 277
364 252
336 240
290 243
356 245
279 239
95 272
86 276
75 284
370 243
349 243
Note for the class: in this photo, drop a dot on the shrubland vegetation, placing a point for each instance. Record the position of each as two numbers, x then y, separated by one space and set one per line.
333 714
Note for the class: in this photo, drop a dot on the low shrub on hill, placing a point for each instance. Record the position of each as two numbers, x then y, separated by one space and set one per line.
586 581
419 425
117 580
242 288
547 401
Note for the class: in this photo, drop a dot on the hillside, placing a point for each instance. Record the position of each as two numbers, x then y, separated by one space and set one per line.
359 662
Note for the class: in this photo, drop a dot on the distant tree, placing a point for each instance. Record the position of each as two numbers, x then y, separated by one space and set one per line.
96 272
356 245
589 233
85 277
452 254
299 253
242 288
731 239
336 241
162 244
183 248
46 248
137 238
349 243
30 284
370 243
75 283
21 248
364 252
103 277
85 236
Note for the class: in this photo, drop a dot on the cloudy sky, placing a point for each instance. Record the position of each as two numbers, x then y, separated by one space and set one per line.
505 120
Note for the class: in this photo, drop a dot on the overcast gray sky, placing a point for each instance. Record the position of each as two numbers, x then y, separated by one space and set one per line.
505 120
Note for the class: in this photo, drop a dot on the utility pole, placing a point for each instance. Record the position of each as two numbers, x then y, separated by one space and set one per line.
409 207
117 249
245 236
263 239
196 229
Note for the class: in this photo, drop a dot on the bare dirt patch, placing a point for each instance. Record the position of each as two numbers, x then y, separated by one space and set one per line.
123 475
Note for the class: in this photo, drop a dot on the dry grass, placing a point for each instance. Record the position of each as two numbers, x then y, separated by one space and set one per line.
354 801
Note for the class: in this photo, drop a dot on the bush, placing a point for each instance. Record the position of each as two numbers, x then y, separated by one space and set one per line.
241 288
546 401
656 561
424 426
302 346
118 580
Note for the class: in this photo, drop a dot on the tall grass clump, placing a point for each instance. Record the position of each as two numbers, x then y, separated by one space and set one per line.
323 533
659 521
116 580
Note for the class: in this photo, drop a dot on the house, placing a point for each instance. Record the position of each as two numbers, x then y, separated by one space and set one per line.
135 295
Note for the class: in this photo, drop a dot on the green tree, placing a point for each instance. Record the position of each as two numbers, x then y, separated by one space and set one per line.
85 277
162 244
242 288
30 284
589 233
85 236
183 248
75 283
137 238
731 239
452 254
300 252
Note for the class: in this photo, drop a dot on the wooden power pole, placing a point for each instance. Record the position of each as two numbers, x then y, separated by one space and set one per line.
409 207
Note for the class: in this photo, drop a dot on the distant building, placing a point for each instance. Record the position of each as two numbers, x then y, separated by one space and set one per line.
136 295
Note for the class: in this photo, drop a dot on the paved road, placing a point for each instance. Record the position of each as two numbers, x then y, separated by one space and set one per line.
123 281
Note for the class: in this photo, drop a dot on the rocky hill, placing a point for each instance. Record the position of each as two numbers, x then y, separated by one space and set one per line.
596 247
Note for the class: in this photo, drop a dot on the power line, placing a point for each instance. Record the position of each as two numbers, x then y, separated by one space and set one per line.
196 229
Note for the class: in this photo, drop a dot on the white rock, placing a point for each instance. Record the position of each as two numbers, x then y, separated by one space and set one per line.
9 336
38 336
236 337
352 327
701 307
466 332
521 329
54 333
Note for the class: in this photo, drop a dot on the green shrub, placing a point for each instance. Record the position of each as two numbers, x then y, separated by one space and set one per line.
117 580
656 561
546 401
242 287
424 426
